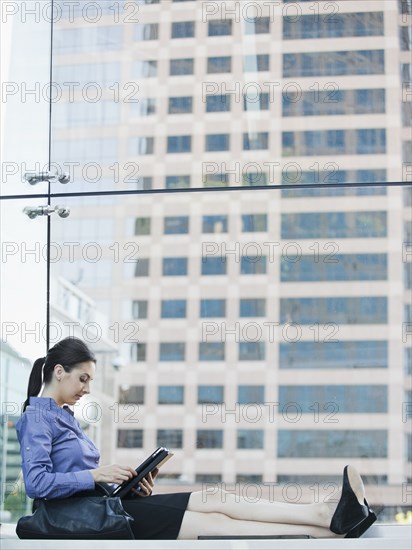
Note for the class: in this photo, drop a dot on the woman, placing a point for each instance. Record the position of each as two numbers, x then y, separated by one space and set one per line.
59 460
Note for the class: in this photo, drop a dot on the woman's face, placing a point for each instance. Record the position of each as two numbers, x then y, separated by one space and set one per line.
73 385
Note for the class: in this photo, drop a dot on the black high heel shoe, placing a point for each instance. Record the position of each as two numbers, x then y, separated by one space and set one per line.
358 531
350 514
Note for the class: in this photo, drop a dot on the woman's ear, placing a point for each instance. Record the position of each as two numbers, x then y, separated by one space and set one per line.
59 372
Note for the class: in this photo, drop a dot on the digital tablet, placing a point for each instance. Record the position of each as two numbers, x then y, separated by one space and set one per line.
155 460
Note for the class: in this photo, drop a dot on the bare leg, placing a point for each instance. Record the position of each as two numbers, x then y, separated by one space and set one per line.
211 523
238 508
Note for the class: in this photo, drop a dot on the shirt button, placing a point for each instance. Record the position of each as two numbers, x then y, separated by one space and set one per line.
27 448
97 461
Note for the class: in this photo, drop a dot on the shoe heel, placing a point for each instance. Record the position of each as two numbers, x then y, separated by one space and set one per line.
358 531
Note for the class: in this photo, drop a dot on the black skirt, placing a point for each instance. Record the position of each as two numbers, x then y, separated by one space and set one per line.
157 516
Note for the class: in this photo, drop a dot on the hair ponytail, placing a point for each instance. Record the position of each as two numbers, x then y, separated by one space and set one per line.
35 380
69 352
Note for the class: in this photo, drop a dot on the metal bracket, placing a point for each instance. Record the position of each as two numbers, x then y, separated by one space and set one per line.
34 211
36 177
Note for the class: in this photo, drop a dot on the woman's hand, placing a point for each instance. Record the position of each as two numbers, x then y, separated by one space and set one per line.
115 473
147 484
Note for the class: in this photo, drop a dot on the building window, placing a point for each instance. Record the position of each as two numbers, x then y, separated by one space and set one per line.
217 142
211 351
141 145
131 394
254 141
335 176
179 144
172 351
176 225
219 64
253 265
369 310
173 309
138 351
334 102
252 307
214 224
408 361
220 27
405 35
350 354
83 73
145 107
143 183
217 103
345 399
250 439
251 351
250 394
343 267
177 182
216 180
256 63
209 439
249 478
172 439
213 266
81 113
347 225
89 39
254 179
142 226
171 395
145 68
212 308
179 67
146 31
103 150
139 309
183 29
174 267
332 443
406 72
258 25
130 439
358 62
252 223
208 478
370 141
338 26
179 105
141 268
210 394
256 102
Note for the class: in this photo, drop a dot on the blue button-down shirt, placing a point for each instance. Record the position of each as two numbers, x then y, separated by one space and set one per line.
57 455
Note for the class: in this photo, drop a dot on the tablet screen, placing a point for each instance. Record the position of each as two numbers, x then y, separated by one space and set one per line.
155 460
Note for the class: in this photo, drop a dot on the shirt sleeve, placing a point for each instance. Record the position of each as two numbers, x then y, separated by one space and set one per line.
36 437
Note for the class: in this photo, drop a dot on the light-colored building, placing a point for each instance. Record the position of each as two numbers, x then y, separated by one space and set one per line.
267 331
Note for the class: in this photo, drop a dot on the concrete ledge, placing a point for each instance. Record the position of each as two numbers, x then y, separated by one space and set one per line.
379 537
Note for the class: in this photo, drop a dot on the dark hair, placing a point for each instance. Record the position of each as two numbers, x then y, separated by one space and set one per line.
69 352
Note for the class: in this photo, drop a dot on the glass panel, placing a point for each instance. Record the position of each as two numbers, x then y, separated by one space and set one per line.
208 343
131 117
26 95
239 288
23 336
25 30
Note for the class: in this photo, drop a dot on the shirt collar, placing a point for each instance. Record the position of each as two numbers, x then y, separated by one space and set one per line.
49 403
